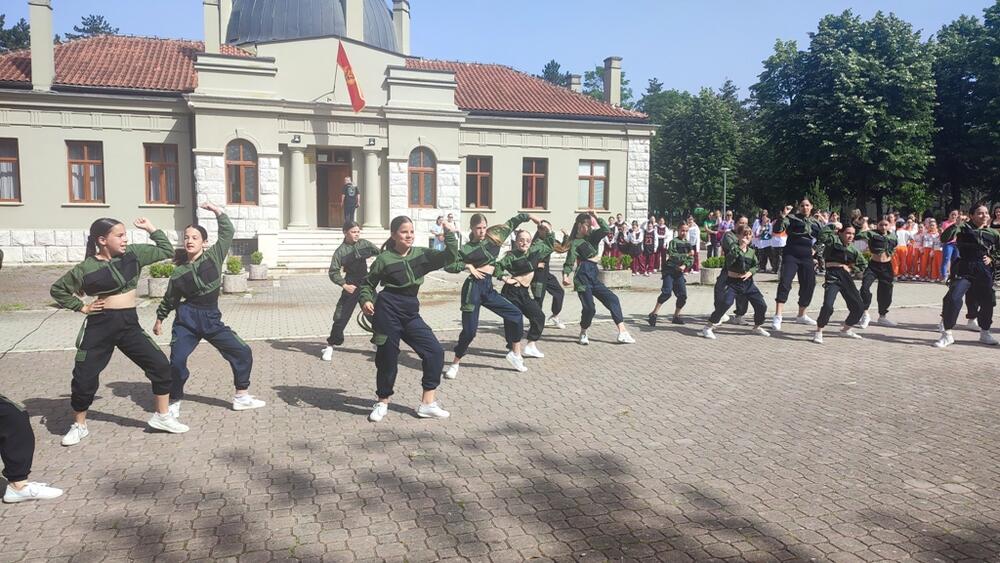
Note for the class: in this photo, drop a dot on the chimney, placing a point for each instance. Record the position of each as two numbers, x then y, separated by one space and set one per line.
575 83
212 40
43 61
401 21
613 80
355 19
225 12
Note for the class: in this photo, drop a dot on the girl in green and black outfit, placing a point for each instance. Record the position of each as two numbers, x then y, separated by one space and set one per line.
400 269
194 292
741 264
111 273
882 244
676 262
518 269
351 257
842 260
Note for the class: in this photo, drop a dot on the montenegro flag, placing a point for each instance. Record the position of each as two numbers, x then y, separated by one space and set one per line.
357 98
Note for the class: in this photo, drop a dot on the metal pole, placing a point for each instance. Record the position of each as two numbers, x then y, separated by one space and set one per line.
724 189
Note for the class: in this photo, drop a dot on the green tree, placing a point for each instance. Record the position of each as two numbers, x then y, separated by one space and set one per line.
593 86
553 73
90 26
988 95
653 88
18 36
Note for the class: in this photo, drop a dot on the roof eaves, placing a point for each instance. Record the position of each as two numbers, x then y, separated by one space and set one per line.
565 116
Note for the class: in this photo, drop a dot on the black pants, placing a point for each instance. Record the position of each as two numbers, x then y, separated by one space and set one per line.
397 317
548 284
17 441
777 253
742 305
521 298
970 277
480 293
881 271
763 256
971 307
733 288
840 282
100 335
797 261
194 324
342 315
349 213
673 284
589 288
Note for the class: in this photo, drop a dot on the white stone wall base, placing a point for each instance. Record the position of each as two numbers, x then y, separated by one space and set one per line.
637 183
57 246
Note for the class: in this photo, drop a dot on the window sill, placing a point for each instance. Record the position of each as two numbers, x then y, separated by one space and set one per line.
478 210
11 203
93 204
161 205
594 211
533 211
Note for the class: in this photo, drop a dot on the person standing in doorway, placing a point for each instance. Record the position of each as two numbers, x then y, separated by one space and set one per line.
350 199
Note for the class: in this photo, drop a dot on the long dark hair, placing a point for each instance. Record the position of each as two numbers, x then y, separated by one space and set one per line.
99 228
181 255
396 224
574 232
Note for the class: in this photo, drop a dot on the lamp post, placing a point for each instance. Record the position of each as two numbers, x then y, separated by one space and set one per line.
724 189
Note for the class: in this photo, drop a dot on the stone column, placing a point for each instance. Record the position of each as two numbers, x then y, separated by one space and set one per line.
298 213
371 197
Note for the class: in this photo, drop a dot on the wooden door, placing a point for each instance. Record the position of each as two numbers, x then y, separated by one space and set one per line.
335 188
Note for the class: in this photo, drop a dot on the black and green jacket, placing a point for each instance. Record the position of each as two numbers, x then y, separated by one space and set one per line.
879 243
198 282
404 274
678 254
485 252
353 260
800 229
834 250
518 263
739 261
550 240
102 278
973 244
582 249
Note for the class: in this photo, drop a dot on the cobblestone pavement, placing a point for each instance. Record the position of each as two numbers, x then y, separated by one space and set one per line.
675 448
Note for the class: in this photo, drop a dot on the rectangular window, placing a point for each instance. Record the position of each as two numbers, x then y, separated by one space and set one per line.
10 176
478 183
593 182
86 171
533 183
161 174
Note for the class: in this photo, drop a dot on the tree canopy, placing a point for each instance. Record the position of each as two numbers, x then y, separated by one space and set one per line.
90 26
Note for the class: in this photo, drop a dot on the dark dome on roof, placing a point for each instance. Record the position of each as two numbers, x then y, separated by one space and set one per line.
260 21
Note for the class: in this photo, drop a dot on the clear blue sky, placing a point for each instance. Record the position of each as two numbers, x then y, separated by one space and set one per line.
687 44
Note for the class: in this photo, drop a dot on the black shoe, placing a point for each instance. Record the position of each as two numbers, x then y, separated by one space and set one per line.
677 320
651 319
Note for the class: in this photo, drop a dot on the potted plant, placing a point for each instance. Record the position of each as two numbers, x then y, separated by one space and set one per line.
711 268
258 270
612 277
626 262
234 280
159 277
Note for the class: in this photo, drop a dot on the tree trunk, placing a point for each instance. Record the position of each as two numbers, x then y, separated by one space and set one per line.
956 198
879 211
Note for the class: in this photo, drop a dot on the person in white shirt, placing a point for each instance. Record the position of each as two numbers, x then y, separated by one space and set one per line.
762 239
694 238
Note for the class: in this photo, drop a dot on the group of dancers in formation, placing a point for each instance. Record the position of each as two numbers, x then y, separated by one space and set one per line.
387 293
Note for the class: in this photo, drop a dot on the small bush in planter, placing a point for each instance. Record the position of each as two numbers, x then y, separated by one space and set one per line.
713 262
161 270
607 262
234 265
256 258
626 262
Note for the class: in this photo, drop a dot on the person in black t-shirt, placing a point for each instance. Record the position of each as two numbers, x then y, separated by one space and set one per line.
350 199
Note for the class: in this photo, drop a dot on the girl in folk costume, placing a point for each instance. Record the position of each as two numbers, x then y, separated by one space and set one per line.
663 236
611 242
649 249
634 238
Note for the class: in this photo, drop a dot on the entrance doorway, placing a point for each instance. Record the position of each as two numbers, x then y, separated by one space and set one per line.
332 166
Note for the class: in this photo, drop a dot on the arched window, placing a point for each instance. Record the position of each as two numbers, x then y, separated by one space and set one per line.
241 173
423 178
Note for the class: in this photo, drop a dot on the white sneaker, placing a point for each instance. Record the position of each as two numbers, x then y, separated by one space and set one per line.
31 491
708 333
379 410
625 338
759 330
584 339
947 339
167 423
805 320
556 322
432 410
972 325
76 433
531 350
174 409
737 320
327 353
246 402
451 372
516 361
986 338
866 319
849 333
886 321
776 323
818 337
725 319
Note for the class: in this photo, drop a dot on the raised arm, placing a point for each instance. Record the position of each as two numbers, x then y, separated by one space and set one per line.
220 249
449 256
949 234
151 253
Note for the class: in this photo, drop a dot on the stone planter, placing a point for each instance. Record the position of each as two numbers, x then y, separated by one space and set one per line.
234 283
158 287
615 278
258 272
710 275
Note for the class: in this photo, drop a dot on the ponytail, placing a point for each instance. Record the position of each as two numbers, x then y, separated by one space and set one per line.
396 224
99 228
573 233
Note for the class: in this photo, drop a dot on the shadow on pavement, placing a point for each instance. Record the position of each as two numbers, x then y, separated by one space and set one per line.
57 415
332 400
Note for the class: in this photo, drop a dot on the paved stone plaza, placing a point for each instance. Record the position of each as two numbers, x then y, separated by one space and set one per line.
676 448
